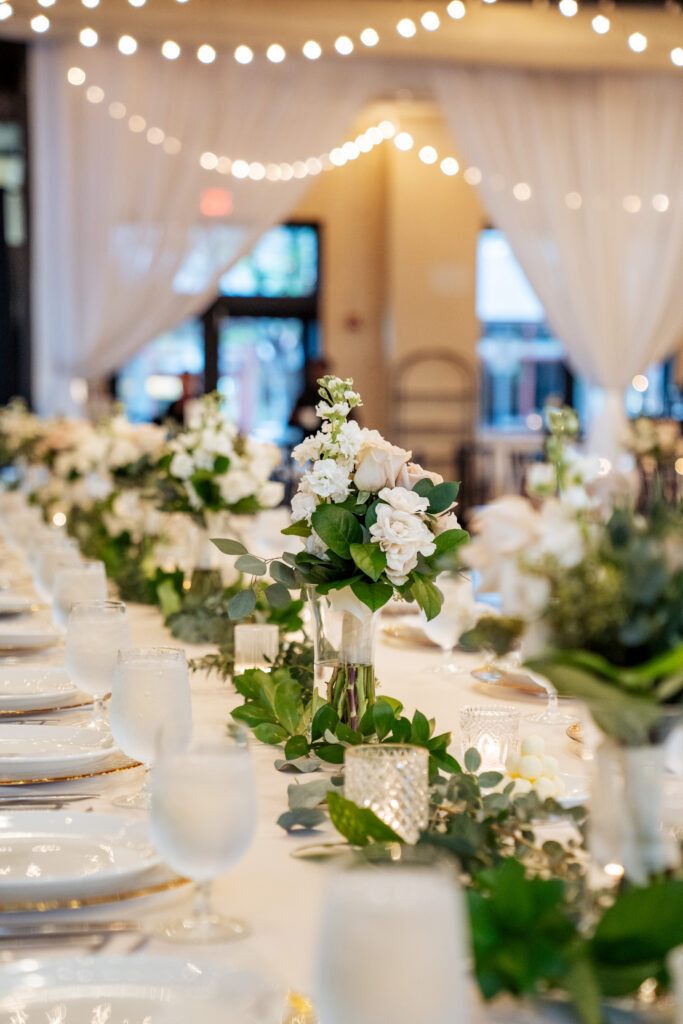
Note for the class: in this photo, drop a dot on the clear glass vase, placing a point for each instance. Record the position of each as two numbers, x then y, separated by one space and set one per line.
344 650
633 821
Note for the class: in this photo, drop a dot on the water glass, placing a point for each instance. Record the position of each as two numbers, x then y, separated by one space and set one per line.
53 552
95 633
76 581
392 780
202 822
392 944
256 646
493 730
150 704
458 613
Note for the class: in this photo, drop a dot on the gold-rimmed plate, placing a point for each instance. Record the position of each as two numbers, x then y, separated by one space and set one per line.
114 762
165 883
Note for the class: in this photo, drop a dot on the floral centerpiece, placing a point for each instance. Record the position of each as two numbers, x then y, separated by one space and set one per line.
594 590
376 526
211 468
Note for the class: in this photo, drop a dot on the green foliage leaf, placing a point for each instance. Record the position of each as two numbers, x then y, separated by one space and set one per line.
283 573
308 794
271 734
338 528
369 558
420 729
442 496
424 487
228 546
252 714
427 595
295 747
487 780
251 565
278 596
373 595
325 718
221 464
302 818
642 925
300 529
288 708
383 718
358 825
332 753
169 598
472 759
242 604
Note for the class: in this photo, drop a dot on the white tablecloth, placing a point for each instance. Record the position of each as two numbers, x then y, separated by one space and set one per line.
276 893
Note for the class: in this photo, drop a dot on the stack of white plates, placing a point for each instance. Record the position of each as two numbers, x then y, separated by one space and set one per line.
44 752
14 604
154 989
37 688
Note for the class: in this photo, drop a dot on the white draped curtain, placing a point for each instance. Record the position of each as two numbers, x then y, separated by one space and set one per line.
119 241
599 157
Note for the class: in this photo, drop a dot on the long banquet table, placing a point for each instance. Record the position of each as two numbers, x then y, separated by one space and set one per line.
277 893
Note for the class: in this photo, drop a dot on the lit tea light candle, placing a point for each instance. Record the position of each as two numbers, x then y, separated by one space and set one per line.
493 730
392 780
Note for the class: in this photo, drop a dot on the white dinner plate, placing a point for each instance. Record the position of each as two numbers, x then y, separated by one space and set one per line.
40 750
25 636
575 791
52 855
25 687
13 604
149 989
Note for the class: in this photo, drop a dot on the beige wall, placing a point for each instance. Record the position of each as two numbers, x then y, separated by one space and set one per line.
399 243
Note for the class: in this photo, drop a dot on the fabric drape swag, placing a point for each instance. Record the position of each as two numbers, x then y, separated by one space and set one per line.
608 272
116 219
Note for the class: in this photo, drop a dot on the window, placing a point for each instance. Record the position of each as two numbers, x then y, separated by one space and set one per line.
252 344
522 363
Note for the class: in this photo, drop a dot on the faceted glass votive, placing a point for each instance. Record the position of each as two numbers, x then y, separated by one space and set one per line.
392 780
493 730
256 646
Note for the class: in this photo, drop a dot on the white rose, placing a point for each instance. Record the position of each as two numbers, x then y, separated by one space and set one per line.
401 536
270 493
378 463
303 506
328 479
560 536
502 531
403 500
521 595
181 466
447 522
235 485
412 473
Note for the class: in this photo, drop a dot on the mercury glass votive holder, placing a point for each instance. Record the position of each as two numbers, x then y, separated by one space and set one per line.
493 730
256 646
392 780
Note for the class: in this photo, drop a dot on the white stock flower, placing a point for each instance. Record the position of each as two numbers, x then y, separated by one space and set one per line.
403 500
303 506
329 479
560 536
326 411
401 536
541 479
181 466
349 440
522 595
316 546
378 463
502 531
308 450
582 469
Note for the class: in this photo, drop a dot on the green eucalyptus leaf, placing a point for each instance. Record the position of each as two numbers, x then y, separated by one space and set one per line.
302 818
283 573
242 604
251 565
472 759
487 780
278 596
229 546
308 794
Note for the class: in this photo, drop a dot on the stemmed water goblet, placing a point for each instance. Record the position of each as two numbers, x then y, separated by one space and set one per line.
202 821
75 582
95 633
150 699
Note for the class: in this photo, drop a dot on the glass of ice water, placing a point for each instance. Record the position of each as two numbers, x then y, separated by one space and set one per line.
95 633
202 822
446 628
392 943
76 581
150 704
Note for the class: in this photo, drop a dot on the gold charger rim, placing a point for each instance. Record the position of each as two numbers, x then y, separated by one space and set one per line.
72 778
43 906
